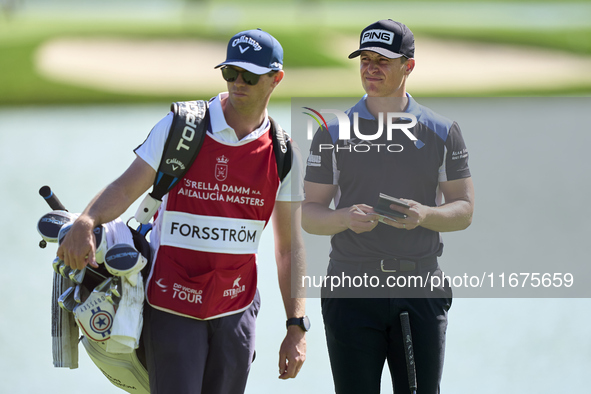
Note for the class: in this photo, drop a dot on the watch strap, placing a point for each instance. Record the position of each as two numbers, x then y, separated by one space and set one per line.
302 322
294 321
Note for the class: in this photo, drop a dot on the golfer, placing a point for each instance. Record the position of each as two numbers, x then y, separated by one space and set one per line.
425 167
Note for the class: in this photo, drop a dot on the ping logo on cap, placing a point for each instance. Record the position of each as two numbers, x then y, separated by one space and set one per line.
377 35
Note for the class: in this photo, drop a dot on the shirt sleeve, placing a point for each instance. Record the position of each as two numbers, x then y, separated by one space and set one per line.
151 149
321 164
455 161
292 186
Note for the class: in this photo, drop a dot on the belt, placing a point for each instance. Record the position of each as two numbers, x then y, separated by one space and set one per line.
391 265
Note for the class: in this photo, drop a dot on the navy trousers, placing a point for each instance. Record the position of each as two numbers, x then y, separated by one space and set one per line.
363 333
189 356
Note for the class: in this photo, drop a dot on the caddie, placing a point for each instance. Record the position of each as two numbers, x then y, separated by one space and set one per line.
202 297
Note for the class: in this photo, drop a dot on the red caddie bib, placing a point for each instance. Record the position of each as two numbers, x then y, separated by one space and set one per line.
210 228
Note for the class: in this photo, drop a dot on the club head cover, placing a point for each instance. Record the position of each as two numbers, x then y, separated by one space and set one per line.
125 261
147 209
100 244
100 241
95 317
51 223
62 233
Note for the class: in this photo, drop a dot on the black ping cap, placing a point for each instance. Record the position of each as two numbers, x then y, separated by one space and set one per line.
388 38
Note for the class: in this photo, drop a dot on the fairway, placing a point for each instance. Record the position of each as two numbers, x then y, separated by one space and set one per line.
130 66
71 53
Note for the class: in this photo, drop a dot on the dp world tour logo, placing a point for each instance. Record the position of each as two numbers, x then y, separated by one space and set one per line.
344 127
101 322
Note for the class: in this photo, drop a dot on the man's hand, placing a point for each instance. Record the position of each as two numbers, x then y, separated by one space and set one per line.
416 214
78 247
292 353
360 218
454 215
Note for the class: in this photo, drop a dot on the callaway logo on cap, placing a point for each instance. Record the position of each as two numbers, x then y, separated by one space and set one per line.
254 50
388 38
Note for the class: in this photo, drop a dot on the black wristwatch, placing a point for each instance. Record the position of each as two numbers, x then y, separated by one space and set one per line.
302 322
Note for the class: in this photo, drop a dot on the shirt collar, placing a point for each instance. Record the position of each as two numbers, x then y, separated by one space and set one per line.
361 108
219 124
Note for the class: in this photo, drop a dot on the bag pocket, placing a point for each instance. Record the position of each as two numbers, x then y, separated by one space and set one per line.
123 370
216 293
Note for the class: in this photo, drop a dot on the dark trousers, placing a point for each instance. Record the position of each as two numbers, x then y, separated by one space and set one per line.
189 356
362 333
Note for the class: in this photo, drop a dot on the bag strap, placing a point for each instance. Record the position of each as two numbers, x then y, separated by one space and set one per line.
282 148
186 136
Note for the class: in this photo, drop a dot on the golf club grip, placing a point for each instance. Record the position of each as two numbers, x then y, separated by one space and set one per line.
408 351
51 199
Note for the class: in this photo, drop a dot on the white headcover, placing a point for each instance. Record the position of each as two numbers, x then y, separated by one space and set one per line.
128 323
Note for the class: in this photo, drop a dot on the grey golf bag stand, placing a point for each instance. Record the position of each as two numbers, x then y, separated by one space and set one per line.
93 296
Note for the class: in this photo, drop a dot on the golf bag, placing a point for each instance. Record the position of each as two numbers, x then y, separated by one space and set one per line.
93 298
125 370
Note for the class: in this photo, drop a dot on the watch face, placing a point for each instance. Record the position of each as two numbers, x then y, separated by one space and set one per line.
306 323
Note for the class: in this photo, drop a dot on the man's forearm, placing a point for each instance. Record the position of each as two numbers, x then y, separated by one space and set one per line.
107 205
456 213
453 216
291 259
321 220
290 269
113 201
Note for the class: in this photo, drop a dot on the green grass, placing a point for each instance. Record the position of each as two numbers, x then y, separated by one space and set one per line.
20 84
397 1
577 40
304 47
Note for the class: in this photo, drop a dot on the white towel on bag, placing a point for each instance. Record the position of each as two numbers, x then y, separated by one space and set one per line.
128 321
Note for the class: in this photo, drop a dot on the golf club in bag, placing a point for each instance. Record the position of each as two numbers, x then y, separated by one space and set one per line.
409 352
93 295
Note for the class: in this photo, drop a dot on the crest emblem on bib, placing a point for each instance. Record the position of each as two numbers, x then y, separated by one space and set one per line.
221 168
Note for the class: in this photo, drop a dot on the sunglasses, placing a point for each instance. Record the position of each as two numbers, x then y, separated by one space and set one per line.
231 74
